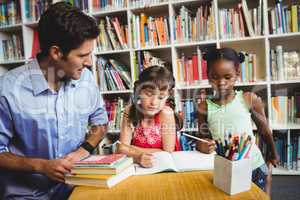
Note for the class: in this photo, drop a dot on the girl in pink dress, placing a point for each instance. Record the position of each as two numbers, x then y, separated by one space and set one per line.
149 124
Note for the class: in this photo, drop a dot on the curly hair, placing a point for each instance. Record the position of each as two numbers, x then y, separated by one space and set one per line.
66 27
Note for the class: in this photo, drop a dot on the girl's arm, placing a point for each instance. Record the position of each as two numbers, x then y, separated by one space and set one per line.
259 117
204 131
168 129
139 155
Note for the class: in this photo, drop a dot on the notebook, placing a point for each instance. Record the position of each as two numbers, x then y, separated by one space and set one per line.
178 161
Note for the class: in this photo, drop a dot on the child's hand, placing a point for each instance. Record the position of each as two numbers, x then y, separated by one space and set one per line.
146 160
274 159
206 147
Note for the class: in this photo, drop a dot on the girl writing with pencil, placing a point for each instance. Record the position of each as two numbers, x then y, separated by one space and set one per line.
230 111
149 123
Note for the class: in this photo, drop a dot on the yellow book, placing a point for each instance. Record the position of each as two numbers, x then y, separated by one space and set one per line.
178 63
294 12
104 181
142 29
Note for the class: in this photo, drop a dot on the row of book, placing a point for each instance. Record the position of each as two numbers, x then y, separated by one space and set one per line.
284 18
144 3
189 28
285 65
189 114
150 31
240 21
81 4
10 12
11 48
248 68
115 109
108 4
113 75
102 171
286 109
289 152
34 8
113 35
191 69
144 59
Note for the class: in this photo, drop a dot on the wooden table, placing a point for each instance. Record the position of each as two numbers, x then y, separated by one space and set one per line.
195 185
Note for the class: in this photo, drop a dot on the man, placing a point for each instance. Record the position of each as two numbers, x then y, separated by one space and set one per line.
46 106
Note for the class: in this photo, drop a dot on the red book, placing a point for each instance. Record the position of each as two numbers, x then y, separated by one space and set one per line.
195 67
204 67
101 159
35 44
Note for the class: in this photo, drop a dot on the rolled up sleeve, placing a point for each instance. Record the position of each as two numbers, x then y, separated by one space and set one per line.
6 125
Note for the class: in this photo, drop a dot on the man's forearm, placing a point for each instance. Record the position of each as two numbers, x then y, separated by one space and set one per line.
10 161
96 134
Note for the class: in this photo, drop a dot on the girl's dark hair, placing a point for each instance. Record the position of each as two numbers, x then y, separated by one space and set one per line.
229 54
153 77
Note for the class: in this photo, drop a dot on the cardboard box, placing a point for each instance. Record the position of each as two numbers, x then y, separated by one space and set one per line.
232 176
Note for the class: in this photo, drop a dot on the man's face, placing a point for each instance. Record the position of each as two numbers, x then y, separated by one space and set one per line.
77 60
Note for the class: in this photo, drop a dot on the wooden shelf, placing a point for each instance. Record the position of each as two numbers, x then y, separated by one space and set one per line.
8 62
103 13
283 171
285 82
285 126
199 43
12 27
98 53
168 46
117 92
229 40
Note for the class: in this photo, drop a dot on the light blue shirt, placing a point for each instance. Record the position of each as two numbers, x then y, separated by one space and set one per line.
36 121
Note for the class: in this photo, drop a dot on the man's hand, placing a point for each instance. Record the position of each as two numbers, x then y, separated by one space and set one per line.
55 169
206 147
77 155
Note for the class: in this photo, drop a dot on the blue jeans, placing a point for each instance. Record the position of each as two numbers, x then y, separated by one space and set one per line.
259 176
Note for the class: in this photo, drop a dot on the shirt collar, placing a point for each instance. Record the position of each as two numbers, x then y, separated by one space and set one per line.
38 81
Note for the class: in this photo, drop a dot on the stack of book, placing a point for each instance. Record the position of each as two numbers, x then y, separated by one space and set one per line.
101 170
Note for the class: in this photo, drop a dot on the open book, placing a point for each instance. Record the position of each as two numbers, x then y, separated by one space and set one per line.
178 161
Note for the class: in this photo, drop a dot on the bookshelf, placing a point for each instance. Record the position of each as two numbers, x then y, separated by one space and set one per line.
259 44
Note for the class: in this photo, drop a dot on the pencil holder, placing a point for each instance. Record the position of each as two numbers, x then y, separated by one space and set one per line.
232 176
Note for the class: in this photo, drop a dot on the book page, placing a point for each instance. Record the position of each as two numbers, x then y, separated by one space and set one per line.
163 162
193 160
